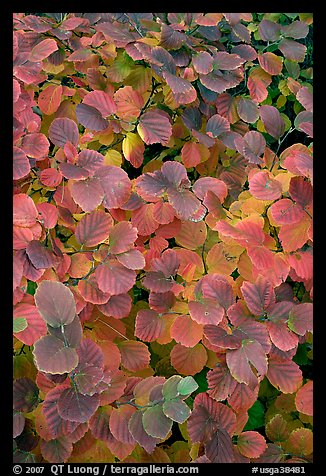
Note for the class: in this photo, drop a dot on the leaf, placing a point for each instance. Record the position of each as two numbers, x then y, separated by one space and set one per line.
156 423
264 187
207 416
113 278
284 375
57 450
256 416
191 235
101 101
31 324
272 120
51 356
305 97
25 394
128 103
94 228
251 444
136 428
50 98
304 398
285 212
217 125
182 90
221 384
63 130
188 360
248 110
134 355
252 146
18 424
292 50
301 441
207 311
117 306
154 126
258 296
133 149
40 256
21 165
271 63
118 423
149 325
74 406
55 303
219 449
24 210
43 49
239 360
187 385
88 194
176 410
257 83
91 117
116 185
186 331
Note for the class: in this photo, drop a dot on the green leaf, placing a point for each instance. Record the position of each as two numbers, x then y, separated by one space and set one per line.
31 288
170 387
256 416
177 410
187 385
19 324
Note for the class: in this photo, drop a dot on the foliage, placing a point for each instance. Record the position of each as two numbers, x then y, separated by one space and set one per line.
163 285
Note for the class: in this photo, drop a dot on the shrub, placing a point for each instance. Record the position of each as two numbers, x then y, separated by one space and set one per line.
163 285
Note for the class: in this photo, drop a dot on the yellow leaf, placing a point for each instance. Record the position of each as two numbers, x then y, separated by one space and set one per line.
113 157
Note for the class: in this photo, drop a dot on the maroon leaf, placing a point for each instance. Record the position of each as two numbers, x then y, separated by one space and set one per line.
74 406
56 303
51 356
63 130
91 117
154 126
272 120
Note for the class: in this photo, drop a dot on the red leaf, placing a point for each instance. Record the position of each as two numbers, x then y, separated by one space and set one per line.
143 219
292 50
207 416
36 326
305 97
154 126
113 278
182 90
149 325
217 125
48 214
271 63
50 177
251 444
129 103
258 296
90 291
91 117
118 423
50 98
188 360
219 448
272 120
94 228
301 318
40 256
101 101
88 194
239 360
63 130
248 110
57 450
56 303
284 375
116 185
264 187
117 306
203 62
35 145
186 331
132 259
134 355
21 165
286 212
43 49
74 406
304 399
122 237
252 145
221 384
25 211
207 311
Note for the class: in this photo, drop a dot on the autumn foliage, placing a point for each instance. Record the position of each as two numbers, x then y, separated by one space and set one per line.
163 276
